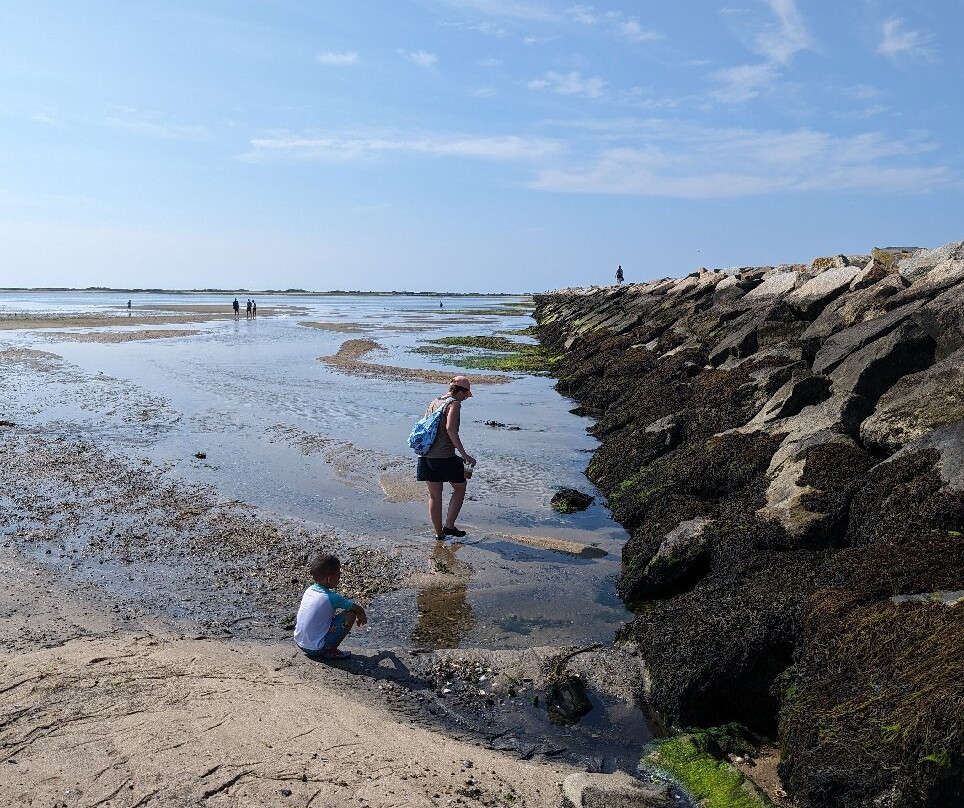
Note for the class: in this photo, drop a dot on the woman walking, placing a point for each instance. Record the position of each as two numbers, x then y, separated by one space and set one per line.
445 461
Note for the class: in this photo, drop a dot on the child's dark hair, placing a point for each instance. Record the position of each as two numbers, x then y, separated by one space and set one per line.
323 564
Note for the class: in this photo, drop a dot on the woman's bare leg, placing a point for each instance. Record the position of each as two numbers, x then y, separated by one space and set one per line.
455 503
435 506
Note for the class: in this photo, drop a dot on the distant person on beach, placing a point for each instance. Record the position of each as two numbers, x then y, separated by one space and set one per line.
440 304
324 616
237 308
247 311
442 465
619 274
128 308
254 309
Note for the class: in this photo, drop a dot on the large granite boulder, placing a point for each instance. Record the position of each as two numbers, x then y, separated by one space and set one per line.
918 404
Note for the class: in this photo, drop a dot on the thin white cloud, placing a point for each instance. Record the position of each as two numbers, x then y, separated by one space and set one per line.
486 28
366 146
505 8
898 42
569 84
338 59
688 162
741 83
129 119
485 92
490 62
584 15
632 30
420 57
779 43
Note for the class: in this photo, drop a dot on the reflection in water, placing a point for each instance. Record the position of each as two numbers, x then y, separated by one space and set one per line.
444 616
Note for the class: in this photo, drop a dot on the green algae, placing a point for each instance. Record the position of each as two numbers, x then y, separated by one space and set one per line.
712 783
499 353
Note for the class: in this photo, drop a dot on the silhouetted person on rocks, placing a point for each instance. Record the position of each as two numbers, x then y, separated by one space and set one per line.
619 274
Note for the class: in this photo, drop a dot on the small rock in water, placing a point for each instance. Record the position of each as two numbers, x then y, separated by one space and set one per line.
569 500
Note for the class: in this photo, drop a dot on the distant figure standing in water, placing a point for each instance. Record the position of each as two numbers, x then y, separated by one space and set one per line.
237 308
247 311
619 274
442 465
254 309
128 308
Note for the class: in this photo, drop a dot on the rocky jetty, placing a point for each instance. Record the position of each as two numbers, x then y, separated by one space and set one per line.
785 445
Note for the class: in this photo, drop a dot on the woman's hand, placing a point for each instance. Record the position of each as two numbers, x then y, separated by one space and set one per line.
468 459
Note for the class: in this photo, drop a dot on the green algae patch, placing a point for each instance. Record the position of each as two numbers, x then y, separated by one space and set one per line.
712 783
486 352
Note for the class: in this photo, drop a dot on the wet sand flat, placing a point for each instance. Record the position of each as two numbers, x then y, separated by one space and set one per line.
122 336
348 360
166 315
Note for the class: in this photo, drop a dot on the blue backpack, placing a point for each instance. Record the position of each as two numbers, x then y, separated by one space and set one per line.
423 433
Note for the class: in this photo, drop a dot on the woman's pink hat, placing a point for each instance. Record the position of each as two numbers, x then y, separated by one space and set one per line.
461 381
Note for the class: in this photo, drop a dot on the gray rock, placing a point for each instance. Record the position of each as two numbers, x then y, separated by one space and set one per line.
810 299
949 444
930 283
917 405
948 598
680 555
852 308
923 260
775 284
740 343
839 346
617 790
792 397
876 367
837 420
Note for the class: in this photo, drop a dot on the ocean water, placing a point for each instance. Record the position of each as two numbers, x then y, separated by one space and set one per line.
291 434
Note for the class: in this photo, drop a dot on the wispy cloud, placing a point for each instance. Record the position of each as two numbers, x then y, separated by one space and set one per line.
741 83
781 41
487 28
691 162
569 84
505 8
343 147
899 42
632 30
134 121
584 15
338 59
420 57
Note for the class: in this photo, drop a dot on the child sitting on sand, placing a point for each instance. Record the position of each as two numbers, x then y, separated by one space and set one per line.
325 617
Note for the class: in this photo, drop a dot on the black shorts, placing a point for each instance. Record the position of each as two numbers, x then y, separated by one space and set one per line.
440 470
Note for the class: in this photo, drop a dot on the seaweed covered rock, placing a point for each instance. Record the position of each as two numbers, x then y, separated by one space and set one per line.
785 447
697 761
569 500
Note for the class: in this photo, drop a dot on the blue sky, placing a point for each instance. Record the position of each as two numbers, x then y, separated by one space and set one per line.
468 145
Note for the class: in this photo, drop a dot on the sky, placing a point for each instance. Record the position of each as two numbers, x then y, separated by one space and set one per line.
468 145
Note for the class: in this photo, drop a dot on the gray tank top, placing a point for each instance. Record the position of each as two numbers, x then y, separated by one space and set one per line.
442 446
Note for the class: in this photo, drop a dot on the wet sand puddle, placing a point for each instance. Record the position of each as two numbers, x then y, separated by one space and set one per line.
246 412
